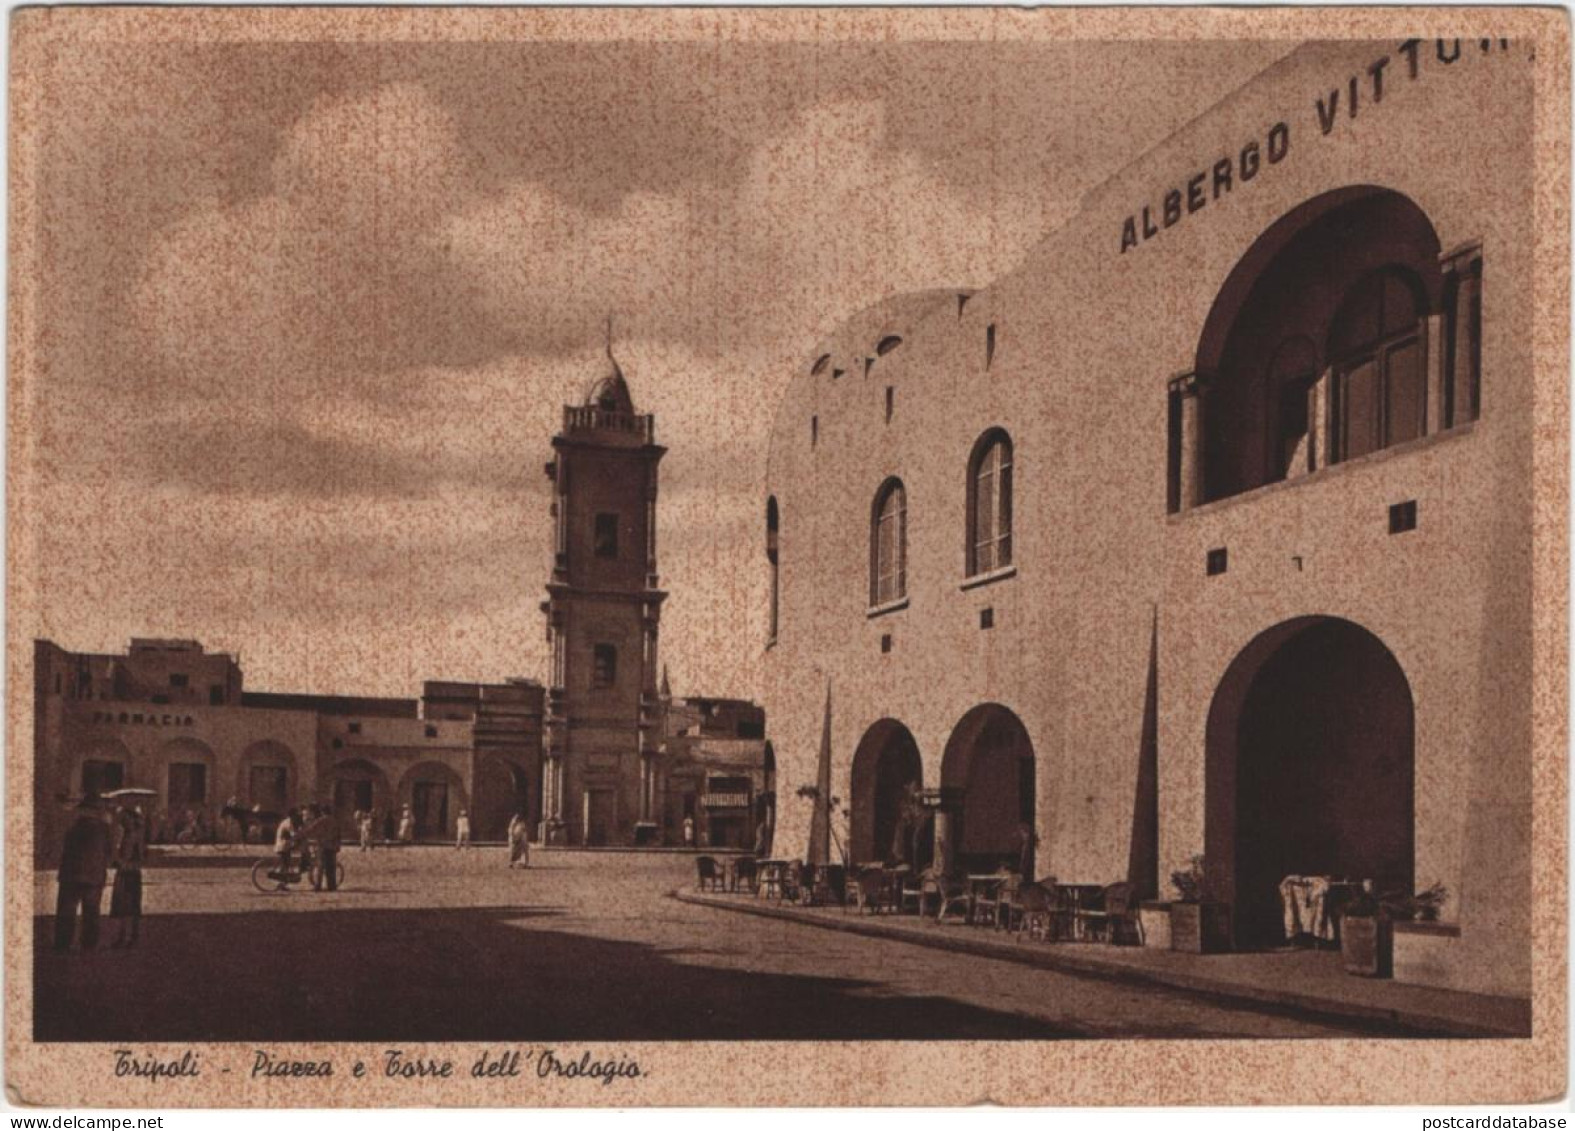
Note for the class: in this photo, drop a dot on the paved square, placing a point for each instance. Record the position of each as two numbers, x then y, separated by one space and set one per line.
438 944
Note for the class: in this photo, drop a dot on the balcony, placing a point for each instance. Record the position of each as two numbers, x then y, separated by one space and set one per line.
589 418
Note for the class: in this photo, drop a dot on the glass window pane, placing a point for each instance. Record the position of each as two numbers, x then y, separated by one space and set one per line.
1359 410
1403 385
1003 526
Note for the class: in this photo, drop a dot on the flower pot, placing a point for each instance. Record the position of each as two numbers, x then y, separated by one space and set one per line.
1155 919
1367 946
1200 928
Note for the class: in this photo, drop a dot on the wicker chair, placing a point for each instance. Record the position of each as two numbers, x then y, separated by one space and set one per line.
744 873
708 873
872 890
1036 905
950 893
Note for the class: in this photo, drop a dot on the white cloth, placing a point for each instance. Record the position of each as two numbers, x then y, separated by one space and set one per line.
1304 900
283 835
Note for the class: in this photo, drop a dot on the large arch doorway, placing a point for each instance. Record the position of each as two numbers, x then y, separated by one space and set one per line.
887 819
360 786
502 790
1310 769
435 794
266 778
1314 351
989 768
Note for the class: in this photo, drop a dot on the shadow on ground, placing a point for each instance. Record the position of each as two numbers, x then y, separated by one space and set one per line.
462 974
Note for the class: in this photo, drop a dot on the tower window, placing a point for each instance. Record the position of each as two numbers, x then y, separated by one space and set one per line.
887 344
889 544
990 503
1216 562
989 345
814 431
604 666
891 398
178 679
216 695
1402 517
606 536
354 728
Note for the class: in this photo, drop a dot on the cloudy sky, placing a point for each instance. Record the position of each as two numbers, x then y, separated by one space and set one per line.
310 310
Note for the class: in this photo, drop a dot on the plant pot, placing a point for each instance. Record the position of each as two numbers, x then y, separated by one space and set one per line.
1367 946
1200 928
1155 919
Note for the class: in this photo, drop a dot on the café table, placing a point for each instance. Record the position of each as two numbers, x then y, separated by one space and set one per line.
771 878
984 889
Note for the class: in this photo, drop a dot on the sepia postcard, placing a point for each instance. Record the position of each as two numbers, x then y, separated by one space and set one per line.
642 557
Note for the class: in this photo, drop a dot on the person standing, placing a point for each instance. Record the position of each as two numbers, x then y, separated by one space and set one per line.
328 837
125 898
689 832
519 841
284 840
364 822
462 830
407 826
84 866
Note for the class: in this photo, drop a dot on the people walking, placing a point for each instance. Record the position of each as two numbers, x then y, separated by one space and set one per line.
462 830
84 866
519 841
125 897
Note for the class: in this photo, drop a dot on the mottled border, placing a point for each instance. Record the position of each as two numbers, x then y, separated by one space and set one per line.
841 1073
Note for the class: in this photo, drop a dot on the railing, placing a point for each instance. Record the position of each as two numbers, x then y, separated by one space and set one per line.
584 418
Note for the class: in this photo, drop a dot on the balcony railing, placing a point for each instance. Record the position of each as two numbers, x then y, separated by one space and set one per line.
588 418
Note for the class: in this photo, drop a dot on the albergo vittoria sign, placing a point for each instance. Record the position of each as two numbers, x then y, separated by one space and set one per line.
1258 154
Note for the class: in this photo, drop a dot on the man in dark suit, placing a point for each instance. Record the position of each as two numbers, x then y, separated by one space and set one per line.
84 866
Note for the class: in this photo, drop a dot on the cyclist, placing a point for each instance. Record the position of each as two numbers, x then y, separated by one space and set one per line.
284 840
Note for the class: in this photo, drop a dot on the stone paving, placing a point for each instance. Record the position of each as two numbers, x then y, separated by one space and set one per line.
438 944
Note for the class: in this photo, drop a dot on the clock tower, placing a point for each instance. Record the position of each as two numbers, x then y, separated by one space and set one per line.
603 607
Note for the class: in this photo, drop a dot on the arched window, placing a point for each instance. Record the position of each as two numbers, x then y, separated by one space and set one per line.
889 544
1375 350
990 503
772 526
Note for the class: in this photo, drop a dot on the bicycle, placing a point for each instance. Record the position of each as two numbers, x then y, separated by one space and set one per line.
270 876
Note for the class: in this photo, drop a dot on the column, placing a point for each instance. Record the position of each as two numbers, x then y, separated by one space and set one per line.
1186 392
1433 328
945 850
1320 452
1463 296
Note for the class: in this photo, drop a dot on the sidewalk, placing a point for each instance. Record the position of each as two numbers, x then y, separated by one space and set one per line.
1306 981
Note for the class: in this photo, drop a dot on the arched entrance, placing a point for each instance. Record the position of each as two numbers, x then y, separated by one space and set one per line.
435 795
359 786
887 820
266 780
502 790
1314 350
989 768
1310 769
104 766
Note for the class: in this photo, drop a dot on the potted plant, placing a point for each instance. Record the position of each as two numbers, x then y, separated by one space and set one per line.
1366 936
1198 925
